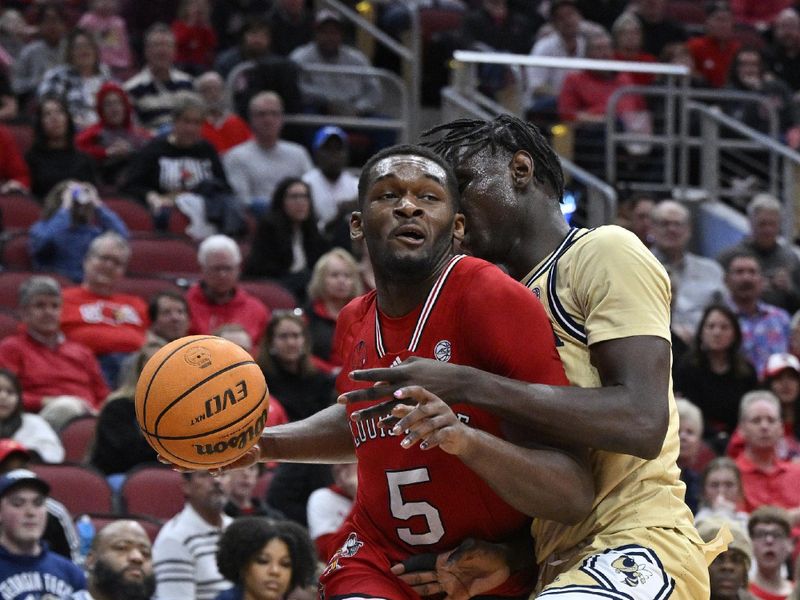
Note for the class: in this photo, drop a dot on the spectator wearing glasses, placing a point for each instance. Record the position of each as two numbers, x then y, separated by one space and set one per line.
770 531
112 324
217 298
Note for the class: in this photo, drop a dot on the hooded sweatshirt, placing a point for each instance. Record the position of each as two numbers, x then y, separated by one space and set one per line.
96 139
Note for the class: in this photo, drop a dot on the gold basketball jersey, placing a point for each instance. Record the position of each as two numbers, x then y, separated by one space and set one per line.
603 284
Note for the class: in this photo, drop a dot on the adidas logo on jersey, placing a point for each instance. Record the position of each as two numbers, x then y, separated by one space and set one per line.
395 362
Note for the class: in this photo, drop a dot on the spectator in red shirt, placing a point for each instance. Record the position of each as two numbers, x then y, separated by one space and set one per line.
585 94
765 478
627 32
112 324
217 299
14 174
770 530
713 52
57 375
223 129
194 37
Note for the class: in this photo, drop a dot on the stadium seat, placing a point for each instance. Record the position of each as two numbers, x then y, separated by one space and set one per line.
165 256
18 212
177 224
135 216
76 437
146 287
10 281
272 294
150 525
8 323
82 489
15 252
154 491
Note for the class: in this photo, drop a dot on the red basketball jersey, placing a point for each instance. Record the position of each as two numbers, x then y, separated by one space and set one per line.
409 500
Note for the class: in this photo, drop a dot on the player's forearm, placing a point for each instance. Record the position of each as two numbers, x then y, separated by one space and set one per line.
324 437
538 482
610 418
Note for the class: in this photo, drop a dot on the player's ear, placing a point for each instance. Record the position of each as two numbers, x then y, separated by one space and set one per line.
356 230
521 168
458 228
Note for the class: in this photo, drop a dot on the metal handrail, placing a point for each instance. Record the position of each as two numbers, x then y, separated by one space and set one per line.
789 157
590 64
668 138
597 188
412 57
400 124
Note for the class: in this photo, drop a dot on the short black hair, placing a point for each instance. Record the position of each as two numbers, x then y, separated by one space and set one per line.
246 536
739 253
462 138
409 150
152 306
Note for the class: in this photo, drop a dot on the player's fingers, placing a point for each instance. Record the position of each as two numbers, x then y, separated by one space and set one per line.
384 409
430 432
175 467
375 392
388 375
247 459
425 583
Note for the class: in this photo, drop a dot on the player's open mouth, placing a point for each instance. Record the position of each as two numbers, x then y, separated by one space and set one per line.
409 233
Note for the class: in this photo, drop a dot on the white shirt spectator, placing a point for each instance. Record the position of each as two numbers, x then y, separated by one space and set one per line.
329 195
185 558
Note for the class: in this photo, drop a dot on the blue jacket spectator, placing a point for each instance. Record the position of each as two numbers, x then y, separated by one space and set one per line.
28 569
73 216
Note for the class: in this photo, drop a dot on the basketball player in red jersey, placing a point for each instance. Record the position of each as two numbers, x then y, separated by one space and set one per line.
428 489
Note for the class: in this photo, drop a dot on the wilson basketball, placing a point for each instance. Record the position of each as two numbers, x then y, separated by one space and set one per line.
201 402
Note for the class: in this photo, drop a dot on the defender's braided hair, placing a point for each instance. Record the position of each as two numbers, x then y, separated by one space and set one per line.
504 131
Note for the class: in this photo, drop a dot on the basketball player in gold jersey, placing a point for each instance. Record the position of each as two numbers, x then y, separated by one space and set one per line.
608 301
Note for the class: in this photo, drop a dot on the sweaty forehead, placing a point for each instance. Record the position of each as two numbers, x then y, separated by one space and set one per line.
394 165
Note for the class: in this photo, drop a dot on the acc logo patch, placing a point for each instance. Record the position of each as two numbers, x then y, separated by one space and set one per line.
198 356
538 291
442 351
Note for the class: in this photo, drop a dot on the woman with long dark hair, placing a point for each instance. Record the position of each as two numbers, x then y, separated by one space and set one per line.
53 157
287 242
714 374
289 368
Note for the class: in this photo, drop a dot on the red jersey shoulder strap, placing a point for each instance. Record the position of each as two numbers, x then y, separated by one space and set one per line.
427 308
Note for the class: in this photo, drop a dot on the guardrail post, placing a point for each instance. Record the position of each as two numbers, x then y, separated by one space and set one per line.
709 156
790 198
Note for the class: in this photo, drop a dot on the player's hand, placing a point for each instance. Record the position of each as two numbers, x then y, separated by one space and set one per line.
251 457
429 422
474 568
438 377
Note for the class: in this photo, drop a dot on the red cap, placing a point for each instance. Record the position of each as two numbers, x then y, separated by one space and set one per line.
9 446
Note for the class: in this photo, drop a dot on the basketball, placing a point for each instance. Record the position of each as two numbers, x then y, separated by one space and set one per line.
201 402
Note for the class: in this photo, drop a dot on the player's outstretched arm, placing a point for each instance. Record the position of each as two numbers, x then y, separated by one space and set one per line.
321 438
539 482
629 414
324 437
